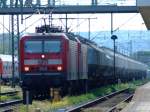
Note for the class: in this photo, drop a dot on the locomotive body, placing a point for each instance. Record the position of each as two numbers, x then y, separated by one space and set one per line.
51 60
71 62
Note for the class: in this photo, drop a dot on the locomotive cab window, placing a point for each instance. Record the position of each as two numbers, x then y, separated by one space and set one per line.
52 46
33 46
48 46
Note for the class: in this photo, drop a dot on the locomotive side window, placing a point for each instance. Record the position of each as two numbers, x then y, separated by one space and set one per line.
33 46
52 46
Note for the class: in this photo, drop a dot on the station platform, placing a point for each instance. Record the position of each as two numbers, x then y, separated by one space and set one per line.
140 101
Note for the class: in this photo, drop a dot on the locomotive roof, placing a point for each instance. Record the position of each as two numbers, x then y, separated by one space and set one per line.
4 57
45 34
83 40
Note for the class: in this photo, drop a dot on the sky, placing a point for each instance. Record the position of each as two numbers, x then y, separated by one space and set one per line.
99 22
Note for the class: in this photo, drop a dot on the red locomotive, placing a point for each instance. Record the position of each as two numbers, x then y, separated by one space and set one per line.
50 60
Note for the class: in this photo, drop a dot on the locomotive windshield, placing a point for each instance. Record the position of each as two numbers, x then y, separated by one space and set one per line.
53 46
33 46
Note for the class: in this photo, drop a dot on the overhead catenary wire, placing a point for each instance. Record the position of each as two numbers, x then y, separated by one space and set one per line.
37 11
126 22
84 20
32 24
5 27
118 27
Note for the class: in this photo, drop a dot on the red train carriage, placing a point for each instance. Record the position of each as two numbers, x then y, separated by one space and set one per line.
50 60
6 68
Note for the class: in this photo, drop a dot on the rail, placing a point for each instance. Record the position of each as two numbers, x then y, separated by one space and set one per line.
10 103
98 100
113 109
9 93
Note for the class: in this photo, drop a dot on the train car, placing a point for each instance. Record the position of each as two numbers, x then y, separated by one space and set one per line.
51 58
6 68
101 65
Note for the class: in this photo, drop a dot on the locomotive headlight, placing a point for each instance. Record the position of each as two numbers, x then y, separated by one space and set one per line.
43 56
59 68
26 69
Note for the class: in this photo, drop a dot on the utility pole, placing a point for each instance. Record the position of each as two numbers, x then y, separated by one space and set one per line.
113 37
38 3
13 62
131 48
111 23
15 44
51 2
94 2
66 23
3 37
50 19
89 33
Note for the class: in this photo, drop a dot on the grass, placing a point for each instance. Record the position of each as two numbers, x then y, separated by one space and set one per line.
68 101
4 88
9 97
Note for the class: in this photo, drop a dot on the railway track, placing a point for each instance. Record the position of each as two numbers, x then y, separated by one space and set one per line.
117 107
106 103
9 106
9 93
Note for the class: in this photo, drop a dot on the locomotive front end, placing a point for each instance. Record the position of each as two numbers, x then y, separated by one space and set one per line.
43 61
